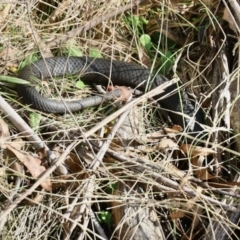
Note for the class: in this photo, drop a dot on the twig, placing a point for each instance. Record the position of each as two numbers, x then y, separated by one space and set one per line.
24 128
77 31
158 90
142 166
27 132
46 174
85 208
43 48
236 10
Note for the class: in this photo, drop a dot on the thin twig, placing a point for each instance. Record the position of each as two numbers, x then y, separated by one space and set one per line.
24 128
95 164
77 31
46 174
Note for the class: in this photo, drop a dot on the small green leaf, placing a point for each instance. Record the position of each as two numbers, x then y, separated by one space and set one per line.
111 188
95 53
72 50
80 84
105 217
145 40
34 120
75 51
28 60
144 20
135 21
166 61
13 80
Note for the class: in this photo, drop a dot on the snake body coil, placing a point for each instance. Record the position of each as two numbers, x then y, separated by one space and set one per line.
98 70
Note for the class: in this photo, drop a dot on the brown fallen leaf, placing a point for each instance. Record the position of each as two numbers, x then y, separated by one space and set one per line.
4 134
18 144
71 162
194 151
190 206
143 56
167 144
230 19
33 165
197 155
172 132
174 129
177 214
201 171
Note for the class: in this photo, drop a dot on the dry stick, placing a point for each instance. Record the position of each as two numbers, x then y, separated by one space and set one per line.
176 173
24 128
43 48
217 230
164 167
83 188
77 31
170 183
45 175
27 132
218 102
95 164
156 91
236 9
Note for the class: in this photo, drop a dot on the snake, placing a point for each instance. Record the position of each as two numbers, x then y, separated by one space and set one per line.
181 109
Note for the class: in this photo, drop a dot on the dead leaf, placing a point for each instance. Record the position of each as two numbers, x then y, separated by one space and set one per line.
152 137
8 56
201 171
197 155
5 12
4 134
171 169
177 214
18 143
33 165
171 132
229 18
143 56
188 207
177 128
194 151
167 144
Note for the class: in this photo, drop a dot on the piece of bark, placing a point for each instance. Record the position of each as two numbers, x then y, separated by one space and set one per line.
135 220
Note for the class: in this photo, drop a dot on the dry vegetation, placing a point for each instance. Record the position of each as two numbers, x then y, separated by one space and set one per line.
135 178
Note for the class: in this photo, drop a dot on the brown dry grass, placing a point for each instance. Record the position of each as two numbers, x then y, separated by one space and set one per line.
191 194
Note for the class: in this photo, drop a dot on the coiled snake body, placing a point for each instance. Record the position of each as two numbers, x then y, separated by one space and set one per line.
98 70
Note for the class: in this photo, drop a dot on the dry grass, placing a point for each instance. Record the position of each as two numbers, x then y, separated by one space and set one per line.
123 182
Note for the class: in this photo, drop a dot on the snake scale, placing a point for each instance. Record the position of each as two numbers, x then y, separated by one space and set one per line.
99 71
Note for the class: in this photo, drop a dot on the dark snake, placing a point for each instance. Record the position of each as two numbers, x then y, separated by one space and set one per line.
99 71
